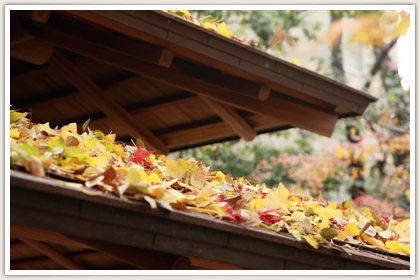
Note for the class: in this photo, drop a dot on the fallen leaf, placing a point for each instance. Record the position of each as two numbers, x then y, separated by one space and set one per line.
35 166
197 179
174 168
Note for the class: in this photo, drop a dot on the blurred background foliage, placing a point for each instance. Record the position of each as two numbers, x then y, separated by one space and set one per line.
374 173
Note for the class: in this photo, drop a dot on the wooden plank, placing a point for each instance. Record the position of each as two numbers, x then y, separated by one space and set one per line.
106 103
133 48
302 254
291 112
140 258
53 254
219 254
114 41
187 50
124 24
103 214
236 122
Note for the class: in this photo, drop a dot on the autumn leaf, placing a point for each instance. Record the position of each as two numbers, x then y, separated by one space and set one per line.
174 168
140 157
197 179
85 124
223 30
15 116
277 199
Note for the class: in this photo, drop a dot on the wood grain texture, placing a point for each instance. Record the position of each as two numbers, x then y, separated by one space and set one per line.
53 254
106 103
236 122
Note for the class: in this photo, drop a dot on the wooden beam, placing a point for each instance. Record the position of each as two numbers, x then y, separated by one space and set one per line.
32 50
53 254
137 49
39 16
295 113
207 133
114 41
111 108
42 235
236 122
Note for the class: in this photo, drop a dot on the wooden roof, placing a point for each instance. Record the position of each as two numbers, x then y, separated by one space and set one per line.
54 226
154 76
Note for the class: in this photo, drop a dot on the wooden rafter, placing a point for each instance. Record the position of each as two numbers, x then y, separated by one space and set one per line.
236 122
53 254
106 103
295 113
42 235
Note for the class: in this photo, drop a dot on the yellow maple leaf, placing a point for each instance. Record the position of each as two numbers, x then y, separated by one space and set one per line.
277 199
221 27
257 203
72 127
174 168
351 229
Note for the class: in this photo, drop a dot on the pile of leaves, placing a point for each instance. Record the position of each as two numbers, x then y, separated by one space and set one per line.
103 165
214 24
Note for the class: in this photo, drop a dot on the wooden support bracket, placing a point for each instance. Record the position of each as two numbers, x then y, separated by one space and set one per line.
101 99
236 122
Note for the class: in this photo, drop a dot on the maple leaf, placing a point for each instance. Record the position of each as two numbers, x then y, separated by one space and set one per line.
140 157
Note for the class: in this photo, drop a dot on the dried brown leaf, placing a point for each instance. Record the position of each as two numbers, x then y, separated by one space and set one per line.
72 141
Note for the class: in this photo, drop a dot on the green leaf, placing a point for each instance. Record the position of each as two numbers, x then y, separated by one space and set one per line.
184 164
296 234
264 226
73 152
19 150
86 124
89 143
194 169
329 233
60 143
99 135
15 116
29 149
109 148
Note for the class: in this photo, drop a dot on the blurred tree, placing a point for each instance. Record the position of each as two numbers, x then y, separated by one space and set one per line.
387 120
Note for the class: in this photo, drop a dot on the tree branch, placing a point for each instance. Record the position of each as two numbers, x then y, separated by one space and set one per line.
379 60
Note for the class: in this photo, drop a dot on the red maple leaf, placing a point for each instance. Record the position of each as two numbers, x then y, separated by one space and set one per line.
140 157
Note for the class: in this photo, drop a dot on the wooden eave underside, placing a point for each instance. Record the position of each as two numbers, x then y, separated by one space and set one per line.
165 88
